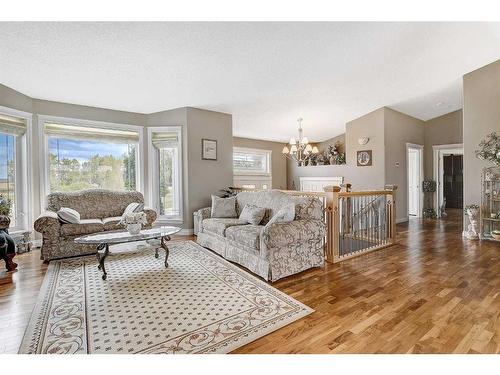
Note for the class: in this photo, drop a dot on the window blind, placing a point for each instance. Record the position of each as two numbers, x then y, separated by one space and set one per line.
105 135
12 125
164 140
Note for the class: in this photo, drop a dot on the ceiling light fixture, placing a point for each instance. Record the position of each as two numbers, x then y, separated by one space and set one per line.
299 148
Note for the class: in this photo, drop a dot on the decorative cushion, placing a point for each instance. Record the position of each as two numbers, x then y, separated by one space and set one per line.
285 215
133 207
110 223
223 207
247 235
311 209
219 226
68 215
252 214
86 226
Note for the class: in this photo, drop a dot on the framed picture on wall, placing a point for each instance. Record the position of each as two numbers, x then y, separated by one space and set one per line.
208 149
364 158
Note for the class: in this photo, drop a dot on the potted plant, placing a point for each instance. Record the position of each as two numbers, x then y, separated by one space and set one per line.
133 222
472 211
5 206
489 148
428 187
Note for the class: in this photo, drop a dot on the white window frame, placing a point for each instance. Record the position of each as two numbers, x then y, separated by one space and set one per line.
154 174
268 155
24 174
44 148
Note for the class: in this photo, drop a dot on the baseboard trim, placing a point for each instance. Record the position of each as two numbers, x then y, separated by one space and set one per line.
402 220
186 232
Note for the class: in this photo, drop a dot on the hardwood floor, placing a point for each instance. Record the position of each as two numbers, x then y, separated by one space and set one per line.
432 293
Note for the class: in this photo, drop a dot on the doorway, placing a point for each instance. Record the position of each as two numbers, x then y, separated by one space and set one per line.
448 174
453 189
414 166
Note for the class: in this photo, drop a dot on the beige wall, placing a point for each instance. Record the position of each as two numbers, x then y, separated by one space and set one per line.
13 99
442 130
481 116
206 177
400 129
278 161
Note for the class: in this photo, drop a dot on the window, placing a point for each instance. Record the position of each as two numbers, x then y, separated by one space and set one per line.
13 176
251 161
165 159
252 168
87 157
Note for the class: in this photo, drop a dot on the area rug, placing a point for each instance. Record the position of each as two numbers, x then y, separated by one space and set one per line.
199 304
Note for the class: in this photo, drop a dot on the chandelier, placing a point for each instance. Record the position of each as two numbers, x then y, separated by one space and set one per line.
299 148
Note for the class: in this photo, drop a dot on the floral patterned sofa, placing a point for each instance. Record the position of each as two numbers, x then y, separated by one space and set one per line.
274 251
100 210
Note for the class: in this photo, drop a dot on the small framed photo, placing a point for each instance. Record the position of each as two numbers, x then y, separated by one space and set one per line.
364 158
208 149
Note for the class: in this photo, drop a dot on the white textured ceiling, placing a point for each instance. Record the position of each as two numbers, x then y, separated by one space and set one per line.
265 74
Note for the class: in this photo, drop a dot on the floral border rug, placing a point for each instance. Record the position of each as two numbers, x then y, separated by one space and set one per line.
201 303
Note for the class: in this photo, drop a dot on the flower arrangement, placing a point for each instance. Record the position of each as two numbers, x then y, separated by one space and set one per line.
334 155
133 222
5 205
471 208
489 148
133 218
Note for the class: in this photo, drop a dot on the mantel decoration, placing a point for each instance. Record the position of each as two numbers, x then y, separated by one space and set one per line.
299 148
489 148
7 245
472 211
134 222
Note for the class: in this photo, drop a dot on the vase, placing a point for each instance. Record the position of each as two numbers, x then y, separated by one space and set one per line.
134 229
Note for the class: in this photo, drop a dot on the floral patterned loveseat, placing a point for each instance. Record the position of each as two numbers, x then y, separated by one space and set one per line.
274 251
100 210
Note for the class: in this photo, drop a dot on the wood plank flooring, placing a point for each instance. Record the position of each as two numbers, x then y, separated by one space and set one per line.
432 293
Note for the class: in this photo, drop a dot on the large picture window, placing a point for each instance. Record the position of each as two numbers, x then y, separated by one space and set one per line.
85 157
166 172
13 168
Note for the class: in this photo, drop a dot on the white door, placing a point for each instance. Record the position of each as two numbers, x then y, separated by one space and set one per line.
413 181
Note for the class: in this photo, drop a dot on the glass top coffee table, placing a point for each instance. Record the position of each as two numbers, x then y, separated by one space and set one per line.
104 239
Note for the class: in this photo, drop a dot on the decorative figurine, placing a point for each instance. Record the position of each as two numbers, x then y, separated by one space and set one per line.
472 212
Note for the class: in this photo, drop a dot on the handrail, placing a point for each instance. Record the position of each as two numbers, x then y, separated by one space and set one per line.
355 225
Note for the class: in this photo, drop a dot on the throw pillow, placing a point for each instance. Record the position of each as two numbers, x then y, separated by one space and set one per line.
133 207
68 215
285 215
252 214
223 207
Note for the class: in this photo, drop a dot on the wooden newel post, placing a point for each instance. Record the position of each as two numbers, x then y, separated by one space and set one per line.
391 207
332 223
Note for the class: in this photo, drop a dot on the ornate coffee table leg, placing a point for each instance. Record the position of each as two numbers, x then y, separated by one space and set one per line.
165 247
102 257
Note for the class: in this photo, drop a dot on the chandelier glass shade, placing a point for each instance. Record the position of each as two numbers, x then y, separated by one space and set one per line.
299 149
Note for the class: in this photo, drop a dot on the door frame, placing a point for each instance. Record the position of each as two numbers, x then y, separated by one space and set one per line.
420 149
438 151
